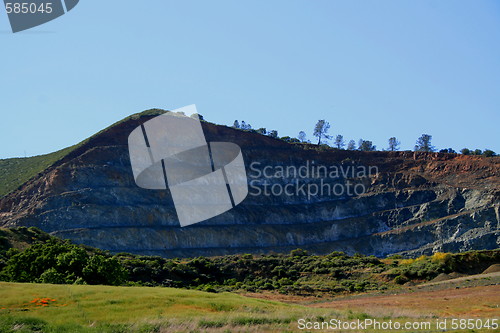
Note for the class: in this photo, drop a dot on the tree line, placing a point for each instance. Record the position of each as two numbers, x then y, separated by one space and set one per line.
321 133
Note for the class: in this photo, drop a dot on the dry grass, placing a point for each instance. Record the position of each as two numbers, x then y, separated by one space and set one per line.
476 302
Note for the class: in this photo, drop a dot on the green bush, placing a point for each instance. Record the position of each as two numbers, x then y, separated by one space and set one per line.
52 276
56 261
209 289
395 256
299 253
401 279
101 270
285 282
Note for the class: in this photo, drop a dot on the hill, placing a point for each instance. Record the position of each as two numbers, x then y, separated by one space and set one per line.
414 204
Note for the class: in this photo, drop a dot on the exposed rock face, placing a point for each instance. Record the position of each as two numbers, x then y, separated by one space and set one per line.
415 204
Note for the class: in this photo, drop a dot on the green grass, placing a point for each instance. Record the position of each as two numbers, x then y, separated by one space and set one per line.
16 171
82 308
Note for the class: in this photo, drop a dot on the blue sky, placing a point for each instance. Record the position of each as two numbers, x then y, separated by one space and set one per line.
373 69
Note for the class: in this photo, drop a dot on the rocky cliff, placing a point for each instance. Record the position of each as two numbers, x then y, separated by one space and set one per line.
369 202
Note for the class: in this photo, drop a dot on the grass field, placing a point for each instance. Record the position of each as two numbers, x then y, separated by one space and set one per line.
83 308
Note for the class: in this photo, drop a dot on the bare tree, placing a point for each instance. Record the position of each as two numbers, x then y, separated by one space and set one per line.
339 141
321 130
302 136
394 144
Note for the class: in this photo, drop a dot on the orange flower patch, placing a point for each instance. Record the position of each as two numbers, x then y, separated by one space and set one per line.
35 303
43 301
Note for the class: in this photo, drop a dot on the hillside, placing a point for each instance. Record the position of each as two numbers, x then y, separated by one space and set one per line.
16 171
417 203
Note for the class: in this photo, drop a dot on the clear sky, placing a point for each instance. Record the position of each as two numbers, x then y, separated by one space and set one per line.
373 69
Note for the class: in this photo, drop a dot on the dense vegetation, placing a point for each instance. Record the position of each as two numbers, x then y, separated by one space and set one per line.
51 260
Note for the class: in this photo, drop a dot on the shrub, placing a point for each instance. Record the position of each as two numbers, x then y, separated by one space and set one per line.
268 286
440 257
401 279
101 270
285 282
52 276
489 153
395 256
209 289
29 265
299 253
360 286
407 261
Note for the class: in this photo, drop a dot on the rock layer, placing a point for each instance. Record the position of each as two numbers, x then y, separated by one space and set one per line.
416 203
